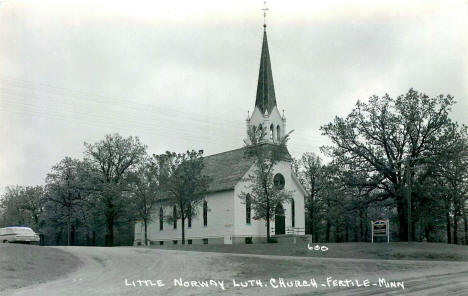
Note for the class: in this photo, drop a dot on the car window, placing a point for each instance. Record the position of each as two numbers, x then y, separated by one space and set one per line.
21 230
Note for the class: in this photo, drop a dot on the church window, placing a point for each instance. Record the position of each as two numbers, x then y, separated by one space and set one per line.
272 129
260 128
161 220
205 213
174 216
293 213
278 181
278 134
248 205
189 215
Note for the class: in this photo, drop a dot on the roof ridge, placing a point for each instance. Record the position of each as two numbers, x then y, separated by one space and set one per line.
219 153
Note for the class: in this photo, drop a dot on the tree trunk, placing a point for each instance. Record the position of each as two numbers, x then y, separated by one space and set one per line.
72 235
465 219
268 224
346 233
455 229
427 230
327 231
466 229
68 228
337 233
88 241
361 226
366 227
146 231
402 219
94 238
449 231
311 222
110 231
183 229
58 237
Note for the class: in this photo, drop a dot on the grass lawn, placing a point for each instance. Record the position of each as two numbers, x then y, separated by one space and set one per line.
24 265
396 250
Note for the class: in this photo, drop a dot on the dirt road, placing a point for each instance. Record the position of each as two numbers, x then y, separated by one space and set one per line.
138 271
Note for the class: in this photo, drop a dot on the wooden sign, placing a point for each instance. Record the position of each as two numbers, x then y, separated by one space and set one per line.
380 228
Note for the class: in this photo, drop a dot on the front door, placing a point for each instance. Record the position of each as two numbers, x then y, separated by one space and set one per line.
279 220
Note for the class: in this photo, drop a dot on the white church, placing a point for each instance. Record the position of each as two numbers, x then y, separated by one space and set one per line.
224 218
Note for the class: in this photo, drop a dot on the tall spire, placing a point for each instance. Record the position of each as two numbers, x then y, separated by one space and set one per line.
265 99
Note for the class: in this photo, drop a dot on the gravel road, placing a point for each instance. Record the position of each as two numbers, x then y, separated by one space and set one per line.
140 271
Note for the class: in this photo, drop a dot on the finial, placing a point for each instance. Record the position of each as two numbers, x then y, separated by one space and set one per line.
283 113
264 14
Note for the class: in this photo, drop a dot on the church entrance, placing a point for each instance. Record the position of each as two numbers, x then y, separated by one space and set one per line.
279 219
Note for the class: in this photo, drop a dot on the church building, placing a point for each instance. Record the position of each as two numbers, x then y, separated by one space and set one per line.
224 218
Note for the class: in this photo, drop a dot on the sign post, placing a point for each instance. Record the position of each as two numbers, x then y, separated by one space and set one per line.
380 228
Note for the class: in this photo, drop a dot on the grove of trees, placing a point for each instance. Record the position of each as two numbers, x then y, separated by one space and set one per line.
98 199
399 158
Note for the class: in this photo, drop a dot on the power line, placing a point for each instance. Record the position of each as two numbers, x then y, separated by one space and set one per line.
104 121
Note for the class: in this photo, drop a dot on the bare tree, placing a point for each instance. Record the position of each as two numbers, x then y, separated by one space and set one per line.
263 191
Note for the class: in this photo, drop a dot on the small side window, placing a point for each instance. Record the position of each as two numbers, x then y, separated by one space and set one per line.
278 181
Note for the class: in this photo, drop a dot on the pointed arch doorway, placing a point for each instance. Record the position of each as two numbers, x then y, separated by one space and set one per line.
279 219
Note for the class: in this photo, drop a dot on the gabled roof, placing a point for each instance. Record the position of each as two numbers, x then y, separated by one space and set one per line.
226 169
265 99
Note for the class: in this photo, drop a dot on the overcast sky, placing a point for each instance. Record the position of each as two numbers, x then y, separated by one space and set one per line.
182 74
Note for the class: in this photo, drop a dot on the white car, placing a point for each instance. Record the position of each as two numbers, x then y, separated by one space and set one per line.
18 234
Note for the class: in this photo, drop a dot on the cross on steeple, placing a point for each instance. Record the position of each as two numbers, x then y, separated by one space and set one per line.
264 13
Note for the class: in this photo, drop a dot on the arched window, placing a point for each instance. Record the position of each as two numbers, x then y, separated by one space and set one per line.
174 216
293 213
272 129
278 133
248 205
189 215
205 213
278 181
161 220
260 128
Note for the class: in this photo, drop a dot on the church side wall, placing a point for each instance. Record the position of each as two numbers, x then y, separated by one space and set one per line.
220 219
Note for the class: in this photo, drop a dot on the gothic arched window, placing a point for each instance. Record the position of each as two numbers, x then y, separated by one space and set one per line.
272 129
278 181
205 213
161 220
278 134
248 205
293 213
174 216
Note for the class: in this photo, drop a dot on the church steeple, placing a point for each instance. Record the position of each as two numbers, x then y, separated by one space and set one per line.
265 100
266 115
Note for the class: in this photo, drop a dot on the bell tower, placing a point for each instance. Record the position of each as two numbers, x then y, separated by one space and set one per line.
266 115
